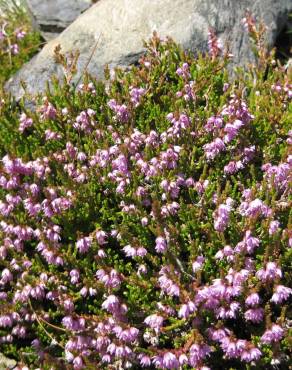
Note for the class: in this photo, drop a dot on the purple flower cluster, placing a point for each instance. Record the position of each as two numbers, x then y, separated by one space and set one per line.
121 111
25 122
214 44
221 215
10 39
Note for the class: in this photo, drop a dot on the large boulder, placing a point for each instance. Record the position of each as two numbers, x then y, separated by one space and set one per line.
119 26
51 17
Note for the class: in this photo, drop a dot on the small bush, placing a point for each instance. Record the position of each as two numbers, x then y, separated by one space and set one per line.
145 220
18 42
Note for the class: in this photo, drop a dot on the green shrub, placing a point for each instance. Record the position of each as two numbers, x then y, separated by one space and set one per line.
18 42
145 220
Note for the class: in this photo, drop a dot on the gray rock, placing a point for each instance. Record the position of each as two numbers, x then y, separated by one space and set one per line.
121 25
6 363
51 17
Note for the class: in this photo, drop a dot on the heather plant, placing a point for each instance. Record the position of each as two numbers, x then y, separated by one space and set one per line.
146 219
18 42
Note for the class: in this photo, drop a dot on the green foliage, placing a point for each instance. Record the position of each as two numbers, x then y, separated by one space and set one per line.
13 18
97 205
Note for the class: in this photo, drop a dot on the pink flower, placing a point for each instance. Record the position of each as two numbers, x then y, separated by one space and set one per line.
84 244
136 95
198 352
101 237
121 164
48 111
145 360
101 253
20 34
214 44
254 209
168 286
248 244
78 363
111 304
218 334
214 148
233 348
275 334
198 264
252 300
144 221
274 227
141 252
230 313
121 111
251 354
278 176
231 130
183 359
254 314
221 216
214 123
14 49
154 321
6 276
6 321
161 245
232 167
130 251
110 280
157 361
184 71
281 294
271 272
75 324
187 309
249 23
170 361
127 335
25 122
74 275
184 311
51 135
